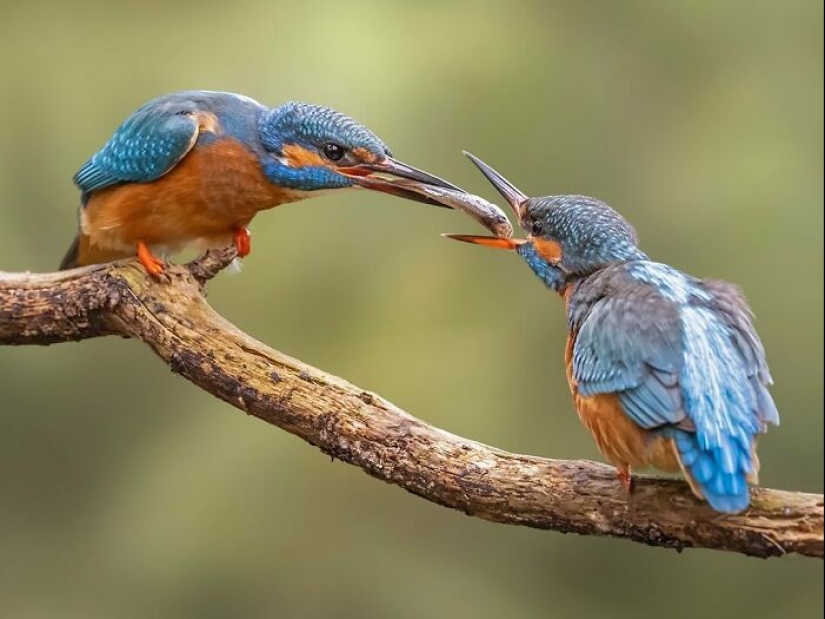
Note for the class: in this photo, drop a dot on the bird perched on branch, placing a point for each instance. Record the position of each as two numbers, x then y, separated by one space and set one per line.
666 370
193 168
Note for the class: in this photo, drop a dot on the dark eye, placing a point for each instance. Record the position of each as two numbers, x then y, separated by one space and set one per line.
333 151
535 228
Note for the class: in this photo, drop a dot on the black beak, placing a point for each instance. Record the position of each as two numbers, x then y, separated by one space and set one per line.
400 178
510 192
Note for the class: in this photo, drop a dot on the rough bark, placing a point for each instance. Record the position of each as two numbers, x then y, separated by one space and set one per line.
363 429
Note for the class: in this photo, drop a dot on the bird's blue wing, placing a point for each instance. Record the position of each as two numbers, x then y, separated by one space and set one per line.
731 308
684 360
630 343
145 147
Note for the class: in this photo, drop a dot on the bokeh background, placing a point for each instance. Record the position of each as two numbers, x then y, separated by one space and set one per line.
127 492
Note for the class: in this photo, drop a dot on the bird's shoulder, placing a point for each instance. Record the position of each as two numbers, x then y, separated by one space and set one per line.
634 307
237 115
629 288
219 103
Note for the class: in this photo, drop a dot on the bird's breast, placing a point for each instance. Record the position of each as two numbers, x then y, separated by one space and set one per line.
218 187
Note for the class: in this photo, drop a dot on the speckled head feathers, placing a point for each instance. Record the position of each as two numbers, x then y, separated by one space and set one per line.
590 233
313 126
310 148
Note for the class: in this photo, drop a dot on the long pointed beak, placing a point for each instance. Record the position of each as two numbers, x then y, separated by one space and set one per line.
362 174
496 242
510 192
399 169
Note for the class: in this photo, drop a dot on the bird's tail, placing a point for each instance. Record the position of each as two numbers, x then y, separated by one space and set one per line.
719 474
82 253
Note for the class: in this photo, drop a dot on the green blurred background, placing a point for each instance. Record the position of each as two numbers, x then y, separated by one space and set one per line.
127 492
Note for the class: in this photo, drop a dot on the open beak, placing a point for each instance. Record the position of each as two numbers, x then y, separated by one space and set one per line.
510 192
400 177
496 242
515 199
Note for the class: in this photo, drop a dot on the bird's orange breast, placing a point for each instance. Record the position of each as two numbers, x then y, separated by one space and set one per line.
212 191
619 439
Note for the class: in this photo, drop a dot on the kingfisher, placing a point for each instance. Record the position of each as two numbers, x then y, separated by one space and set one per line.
191 169
666 370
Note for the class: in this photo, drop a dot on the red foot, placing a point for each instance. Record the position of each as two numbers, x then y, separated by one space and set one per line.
154 266
626 478
243 242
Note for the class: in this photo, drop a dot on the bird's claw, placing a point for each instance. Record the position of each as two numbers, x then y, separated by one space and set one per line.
243 242
626 479
153 265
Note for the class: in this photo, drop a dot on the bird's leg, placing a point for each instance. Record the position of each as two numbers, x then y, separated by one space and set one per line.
623 473
243 242
153 265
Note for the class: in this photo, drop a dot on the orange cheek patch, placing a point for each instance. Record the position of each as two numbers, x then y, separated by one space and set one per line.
549 250
300 157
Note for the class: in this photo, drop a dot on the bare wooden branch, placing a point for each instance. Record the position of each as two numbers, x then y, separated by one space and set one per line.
363 429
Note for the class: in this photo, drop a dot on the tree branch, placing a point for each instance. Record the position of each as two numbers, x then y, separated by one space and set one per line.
363 429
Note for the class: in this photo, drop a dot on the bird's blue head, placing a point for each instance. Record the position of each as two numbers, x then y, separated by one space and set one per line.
314 148
568 237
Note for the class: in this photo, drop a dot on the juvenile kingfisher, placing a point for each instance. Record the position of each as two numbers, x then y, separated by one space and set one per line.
193 168
666 370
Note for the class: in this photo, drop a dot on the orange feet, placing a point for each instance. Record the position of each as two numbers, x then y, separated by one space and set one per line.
154 266
243 242
626 478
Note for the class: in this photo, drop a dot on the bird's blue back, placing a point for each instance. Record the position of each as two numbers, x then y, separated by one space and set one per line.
684 359
156 136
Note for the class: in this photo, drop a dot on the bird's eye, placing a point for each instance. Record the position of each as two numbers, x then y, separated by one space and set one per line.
535 228
333 151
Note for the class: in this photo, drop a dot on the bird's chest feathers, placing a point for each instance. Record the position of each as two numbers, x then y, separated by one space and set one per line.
217 187
226 178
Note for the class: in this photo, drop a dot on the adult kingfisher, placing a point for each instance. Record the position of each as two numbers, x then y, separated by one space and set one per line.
193 168
666 370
